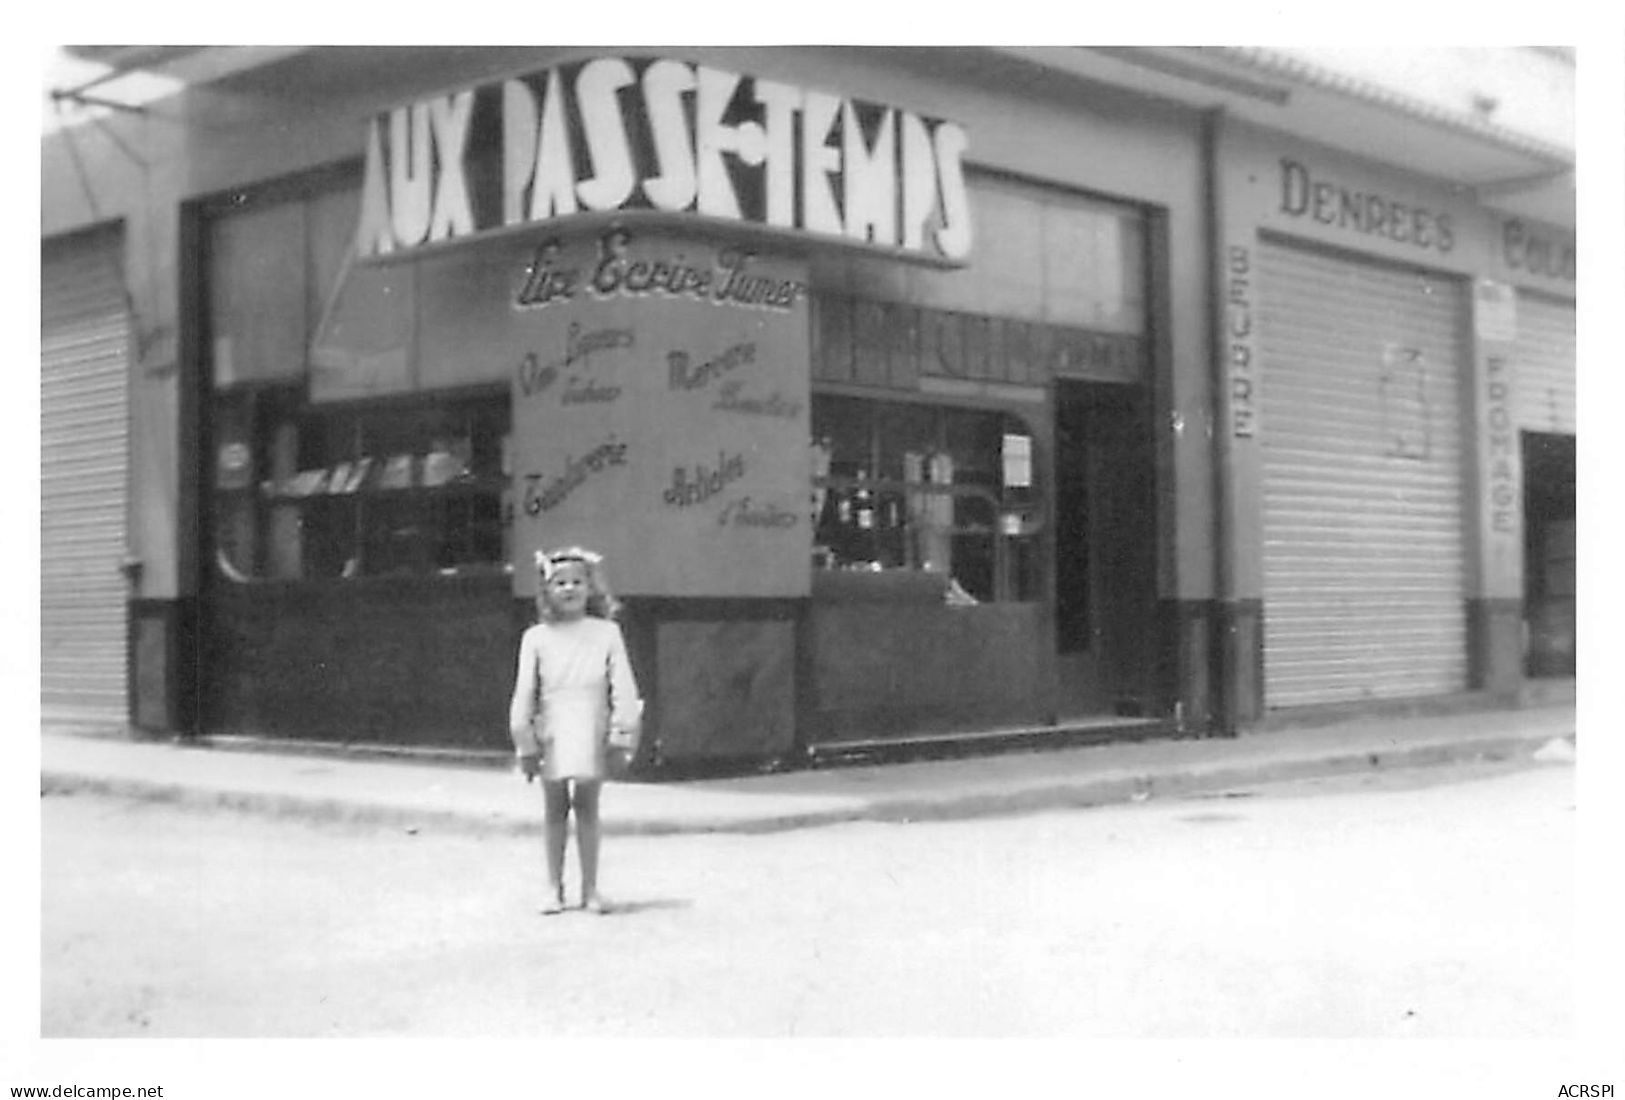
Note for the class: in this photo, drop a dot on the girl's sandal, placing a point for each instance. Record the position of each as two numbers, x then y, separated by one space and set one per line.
594 903
553 905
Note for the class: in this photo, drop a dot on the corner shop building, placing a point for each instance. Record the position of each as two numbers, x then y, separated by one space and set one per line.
1012 401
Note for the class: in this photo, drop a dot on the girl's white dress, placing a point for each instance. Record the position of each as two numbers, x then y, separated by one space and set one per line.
574 684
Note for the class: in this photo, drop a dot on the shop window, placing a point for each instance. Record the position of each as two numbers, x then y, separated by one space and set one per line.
307 492
272 261
311 483
942 492
421 323
1040 254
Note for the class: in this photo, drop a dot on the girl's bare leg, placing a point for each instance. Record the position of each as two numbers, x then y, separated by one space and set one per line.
587 833
556 809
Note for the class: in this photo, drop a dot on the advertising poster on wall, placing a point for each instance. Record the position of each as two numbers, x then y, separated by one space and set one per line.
660 413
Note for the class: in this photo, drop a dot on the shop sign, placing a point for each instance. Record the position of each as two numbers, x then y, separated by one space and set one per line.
619 135
1098 356
1501 446
666 430
1495 311
727 278
1315 196
1528 248
1238 340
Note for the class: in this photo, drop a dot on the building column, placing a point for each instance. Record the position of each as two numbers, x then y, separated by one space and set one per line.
1495 570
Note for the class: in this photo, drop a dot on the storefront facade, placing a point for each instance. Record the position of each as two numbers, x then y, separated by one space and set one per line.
1399 361
887 380
814 412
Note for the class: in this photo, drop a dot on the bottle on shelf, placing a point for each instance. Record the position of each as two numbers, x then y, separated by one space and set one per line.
863 503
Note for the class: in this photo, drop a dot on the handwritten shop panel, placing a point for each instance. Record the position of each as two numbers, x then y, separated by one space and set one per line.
661 414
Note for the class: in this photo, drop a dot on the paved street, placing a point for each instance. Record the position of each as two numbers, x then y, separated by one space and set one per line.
1423 902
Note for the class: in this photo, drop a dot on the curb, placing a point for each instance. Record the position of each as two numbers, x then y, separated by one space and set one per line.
319 811
1083 793
1119 789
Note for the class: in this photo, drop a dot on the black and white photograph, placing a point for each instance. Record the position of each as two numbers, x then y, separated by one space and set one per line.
1077 543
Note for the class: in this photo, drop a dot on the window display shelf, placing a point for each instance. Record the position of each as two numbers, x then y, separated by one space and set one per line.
879 586
460 486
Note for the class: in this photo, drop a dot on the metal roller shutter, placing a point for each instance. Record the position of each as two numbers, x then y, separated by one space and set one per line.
84 433
1543 391
1361 374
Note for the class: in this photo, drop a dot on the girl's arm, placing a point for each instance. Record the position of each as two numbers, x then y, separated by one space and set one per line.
522 709
625 704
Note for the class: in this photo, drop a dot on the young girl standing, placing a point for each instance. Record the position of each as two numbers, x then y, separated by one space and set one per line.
574 700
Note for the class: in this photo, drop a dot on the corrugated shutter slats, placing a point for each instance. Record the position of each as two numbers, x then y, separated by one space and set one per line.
1364 560
84 440
1544 390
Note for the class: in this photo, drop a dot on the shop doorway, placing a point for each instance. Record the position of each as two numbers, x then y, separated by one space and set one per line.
1362 460
1549 552
1105 550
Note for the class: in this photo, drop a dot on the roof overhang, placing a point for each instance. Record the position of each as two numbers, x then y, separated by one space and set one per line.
1272 89
184 64
1503 169
89 81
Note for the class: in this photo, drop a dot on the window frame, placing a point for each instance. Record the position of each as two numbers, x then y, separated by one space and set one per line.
481 546
1028 503
272 394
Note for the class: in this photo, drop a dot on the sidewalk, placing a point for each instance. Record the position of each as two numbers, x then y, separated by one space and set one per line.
414 795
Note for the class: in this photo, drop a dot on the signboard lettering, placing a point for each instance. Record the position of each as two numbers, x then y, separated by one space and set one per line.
539 498
534 376
1502 444
624 134
730 279
1527 248
732 398
745 513
1239 341
706 481
1328 202
684 374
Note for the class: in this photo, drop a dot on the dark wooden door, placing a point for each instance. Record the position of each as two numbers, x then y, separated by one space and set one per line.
1105 548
